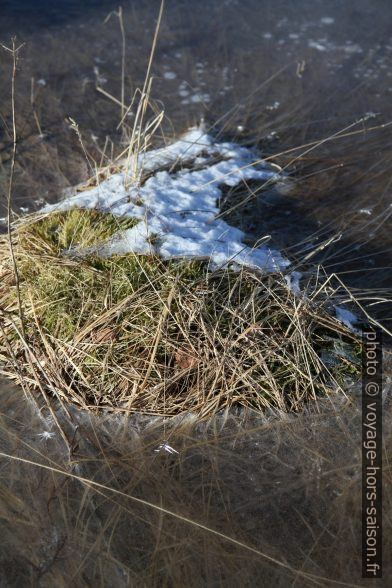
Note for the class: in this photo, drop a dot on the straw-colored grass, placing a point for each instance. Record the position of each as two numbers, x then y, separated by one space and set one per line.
138 333
247 501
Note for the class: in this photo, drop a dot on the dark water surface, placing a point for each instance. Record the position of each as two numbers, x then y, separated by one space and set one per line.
279 74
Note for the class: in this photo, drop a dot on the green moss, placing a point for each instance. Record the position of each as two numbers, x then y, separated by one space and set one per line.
67 293
341 356
76 227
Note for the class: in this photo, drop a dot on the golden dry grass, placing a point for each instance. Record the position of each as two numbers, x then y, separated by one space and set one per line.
136 333
246 500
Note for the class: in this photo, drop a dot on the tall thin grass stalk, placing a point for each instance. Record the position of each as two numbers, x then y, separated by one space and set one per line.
142 131
135 145
14 52
119 15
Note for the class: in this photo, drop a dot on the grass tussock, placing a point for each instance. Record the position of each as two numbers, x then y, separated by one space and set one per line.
137 333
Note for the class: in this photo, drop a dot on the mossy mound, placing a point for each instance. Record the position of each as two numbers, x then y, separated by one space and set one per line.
136 333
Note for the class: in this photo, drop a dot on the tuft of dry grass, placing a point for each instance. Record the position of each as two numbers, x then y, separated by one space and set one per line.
137 333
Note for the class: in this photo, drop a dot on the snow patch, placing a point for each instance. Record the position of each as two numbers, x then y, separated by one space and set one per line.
178 209
292 281
316 45
170 75
347 317
327 20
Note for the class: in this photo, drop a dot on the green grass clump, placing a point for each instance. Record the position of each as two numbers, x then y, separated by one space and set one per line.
65 230
137 333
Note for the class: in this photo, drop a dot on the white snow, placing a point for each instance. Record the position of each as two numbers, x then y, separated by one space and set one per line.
178 209
170 75
292 281
347 318
327 20
46 435
273 106
165 447
197 98
352 48
316 45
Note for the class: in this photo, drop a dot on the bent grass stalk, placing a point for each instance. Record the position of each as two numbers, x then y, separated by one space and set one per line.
102 489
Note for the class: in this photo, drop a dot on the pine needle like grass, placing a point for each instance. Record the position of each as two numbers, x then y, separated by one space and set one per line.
139 334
